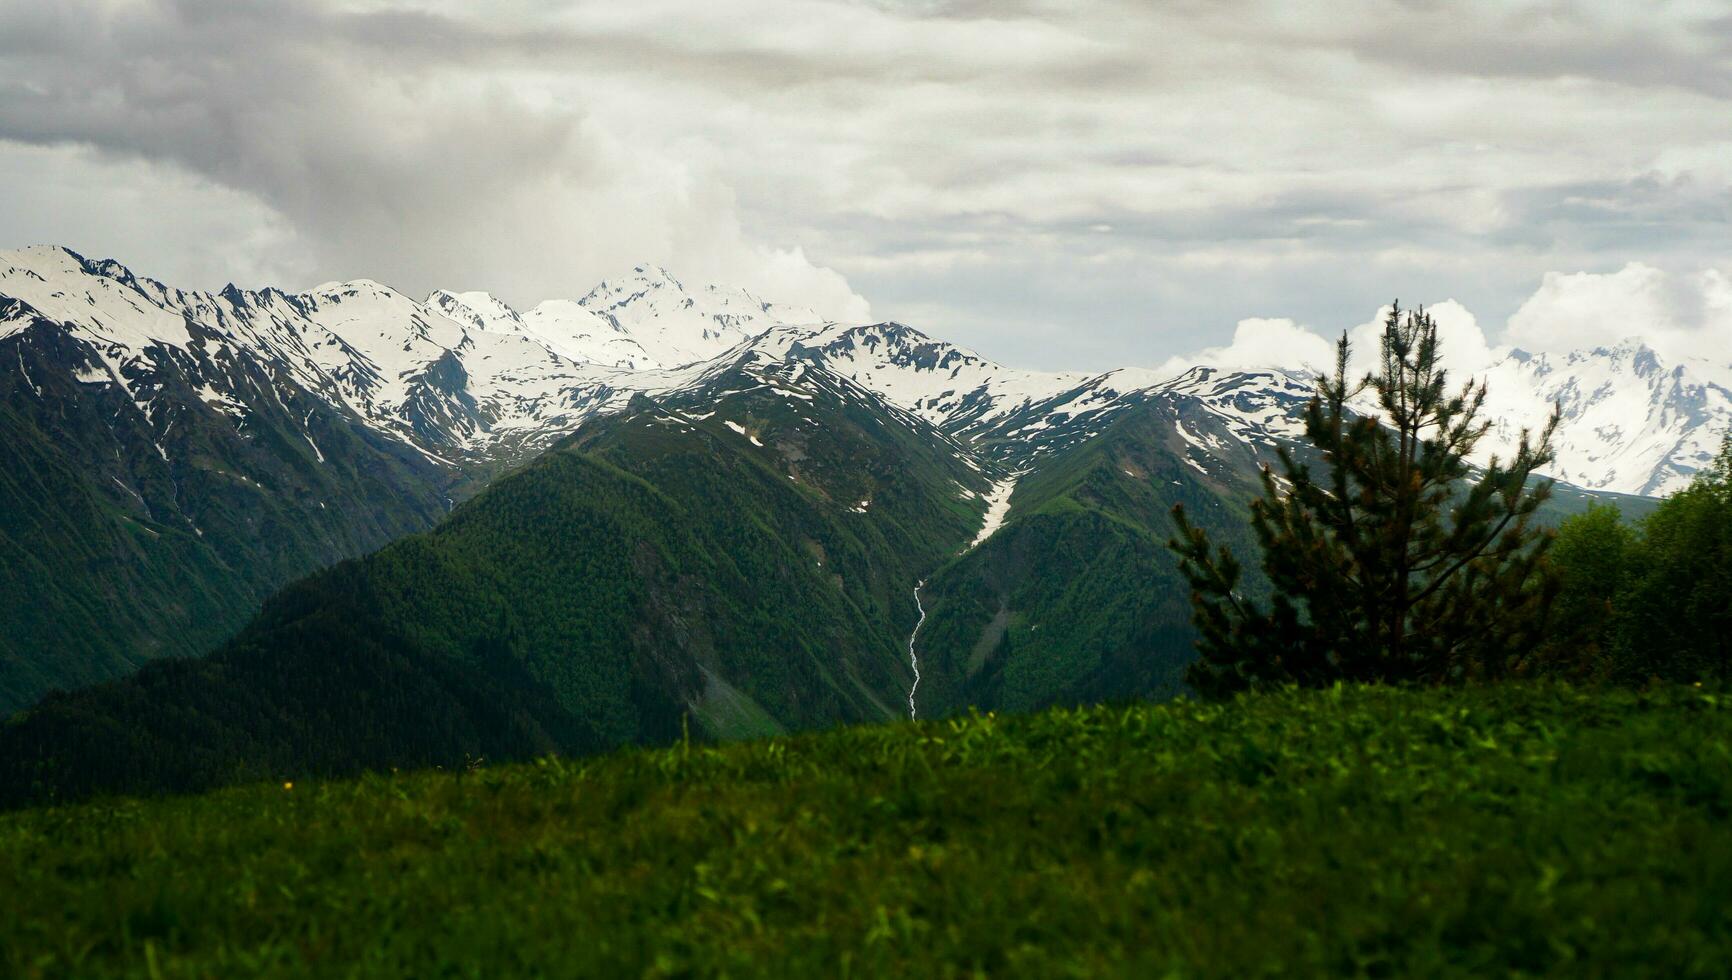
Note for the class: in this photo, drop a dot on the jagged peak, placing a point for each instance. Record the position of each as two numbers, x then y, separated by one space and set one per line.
643 280
890 330
654 273
47 260
347 287
473 299
481 309
1631 346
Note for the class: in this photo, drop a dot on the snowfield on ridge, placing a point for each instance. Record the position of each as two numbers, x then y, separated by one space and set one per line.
462 376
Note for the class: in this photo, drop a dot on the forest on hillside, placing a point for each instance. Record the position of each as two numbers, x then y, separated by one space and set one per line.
649 581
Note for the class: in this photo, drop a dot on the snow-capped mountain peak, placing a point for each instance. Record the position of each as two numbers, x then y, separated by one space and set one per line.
948 385
572 330
1631 422
464 373
642 282
103 299
478 310
675 325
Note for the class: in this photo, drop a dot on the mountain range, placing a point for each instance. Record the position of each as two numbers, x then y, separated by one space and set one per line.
462 378
600 521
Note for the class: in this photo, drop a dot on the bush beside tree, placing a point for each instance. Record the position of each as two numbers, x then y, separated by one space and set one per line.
1650 602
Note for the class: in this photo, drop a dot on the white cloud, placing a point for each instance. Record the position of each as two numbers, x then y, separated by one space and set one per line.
1463 348
787 276
1284 343
356 151
1681 316
1262 343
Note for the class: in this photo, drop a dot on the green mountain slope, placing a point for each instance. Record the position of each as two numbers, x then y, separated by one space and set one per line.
737 559
744 572
1076 599
129 533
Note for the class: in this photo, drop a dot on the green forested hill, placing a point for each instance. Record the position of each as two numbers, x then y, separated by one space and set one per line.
744 572
129 533
1512 831
1077 600
737 560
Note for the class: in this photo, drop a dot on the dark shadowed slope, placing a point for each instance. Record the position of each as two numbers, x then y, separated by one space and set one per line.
130 532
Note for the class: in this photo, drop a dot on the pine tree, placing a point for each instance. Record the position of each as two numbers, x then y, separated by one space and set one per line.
1402 562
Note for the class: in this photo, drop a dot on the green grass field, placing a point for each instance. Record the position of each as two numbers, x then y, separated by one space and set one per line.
1362 831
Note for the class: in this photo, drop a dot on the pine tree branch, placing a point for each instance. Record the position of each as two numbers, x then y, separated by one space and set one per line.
1465 560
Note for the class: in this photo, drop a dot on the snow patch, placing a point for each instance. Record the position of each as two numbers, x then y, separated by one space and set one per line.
997 508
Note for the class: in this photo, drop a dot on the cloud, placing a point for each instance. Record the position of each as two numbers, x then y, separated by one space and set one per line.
1681 316
380 163
178 227
1684 317
1262 343
1463 347
1078 184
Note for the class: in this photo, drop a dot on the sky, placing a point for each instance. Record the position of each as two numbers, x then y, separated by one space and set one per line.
1074 184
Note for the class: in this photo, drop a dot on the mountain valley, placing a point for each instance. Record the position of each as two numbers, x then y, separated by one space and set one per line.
648 513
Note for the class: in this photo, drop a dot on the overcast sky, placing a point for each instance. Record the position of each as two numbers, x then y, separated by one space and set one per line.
1057 183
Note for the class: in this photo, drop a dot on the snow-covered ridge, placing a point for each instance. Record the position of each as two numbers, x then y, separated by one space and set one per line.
1630 424
676 326
460 373
463 374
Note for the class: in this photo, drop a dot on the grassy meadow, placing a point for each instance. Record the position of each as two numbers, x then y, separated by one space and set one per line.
1514 830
